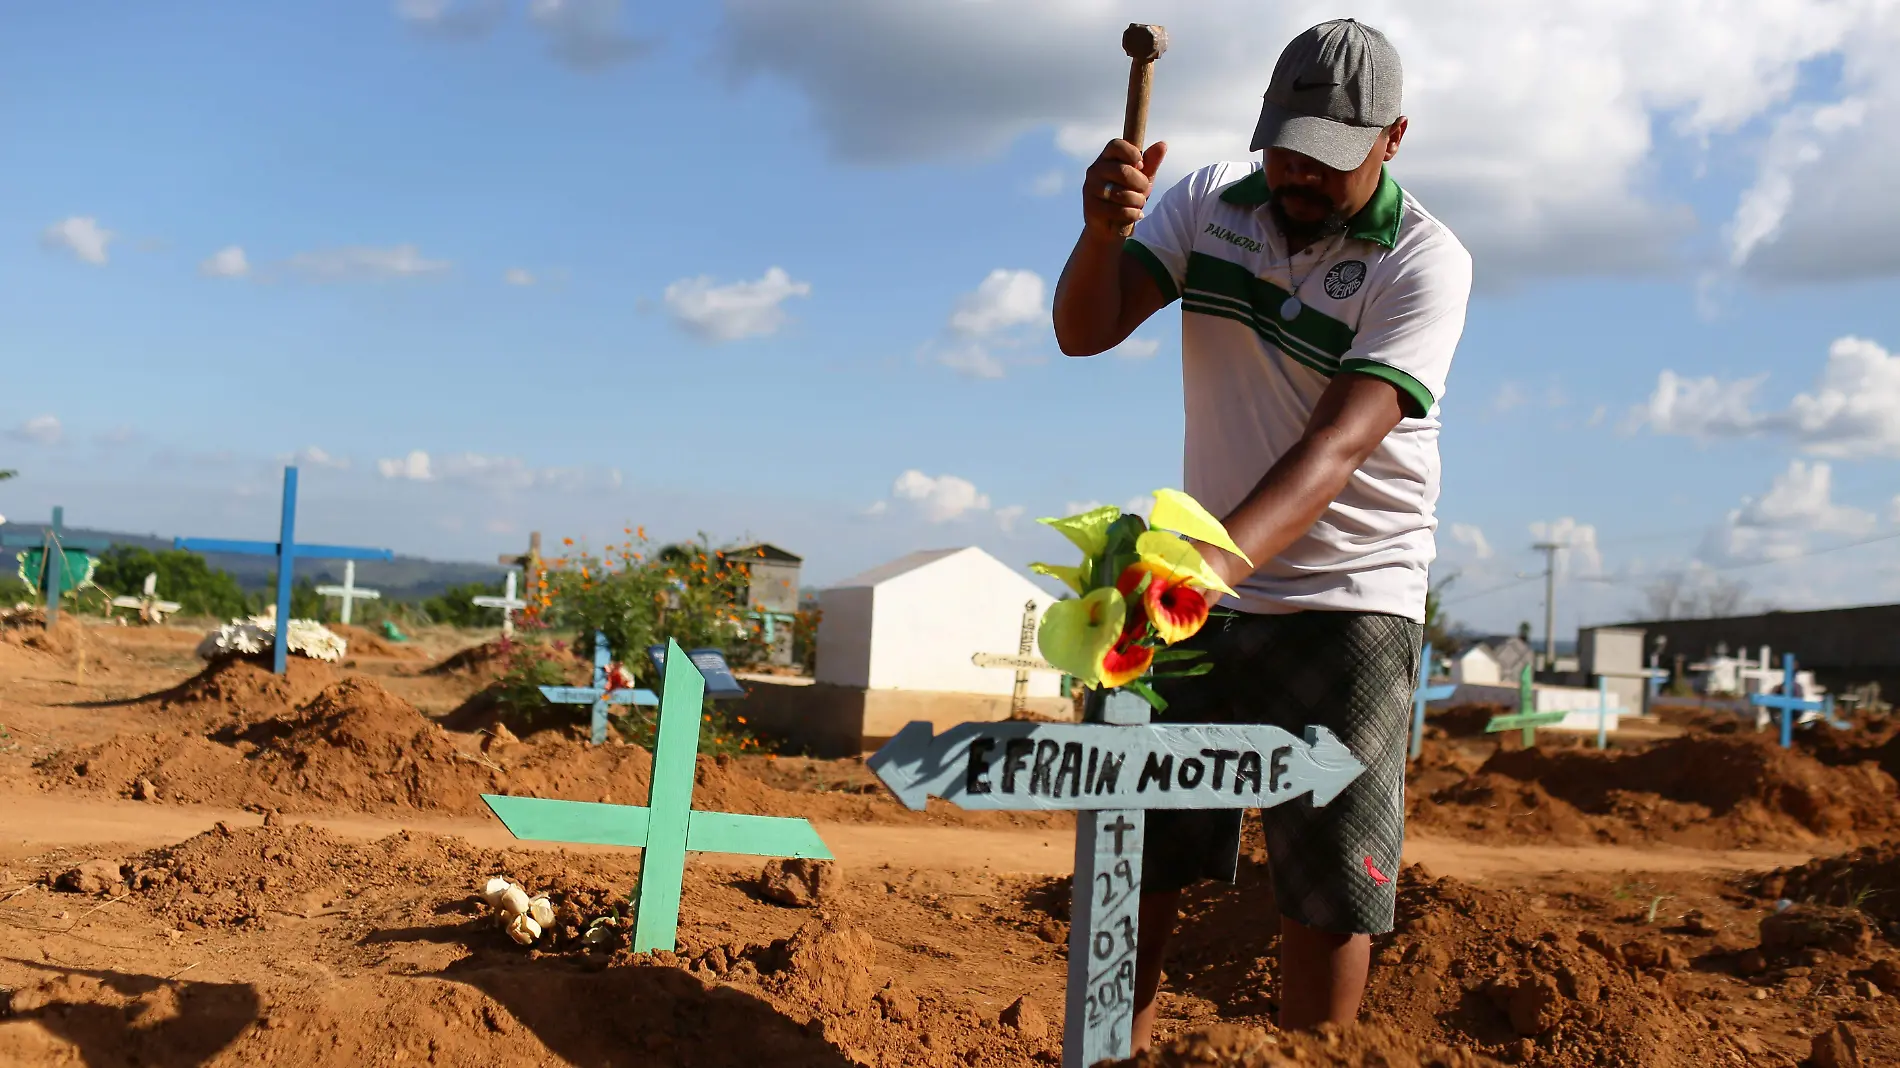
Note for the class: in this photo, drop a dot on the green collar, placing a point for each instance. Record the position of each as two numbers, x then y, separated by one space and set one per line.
1377 222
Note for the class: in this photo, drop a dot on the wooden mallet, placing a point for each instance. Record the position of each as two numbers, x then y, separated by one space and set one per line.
1144 44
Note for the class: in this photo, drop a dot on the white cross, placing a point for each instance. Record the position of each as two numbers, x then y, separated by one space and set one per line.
507 602
350 592
150 608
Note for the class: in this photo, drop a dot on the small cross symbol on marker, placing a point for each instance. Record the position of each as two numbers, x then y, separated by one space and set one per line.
1120 827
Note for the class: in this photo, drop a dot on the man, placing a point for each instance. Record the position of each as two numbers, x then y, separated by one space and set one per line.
1320 309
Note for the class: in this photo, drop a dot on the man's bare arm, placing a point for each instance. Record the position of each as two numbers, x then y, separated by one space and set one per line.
1353 416
1104 293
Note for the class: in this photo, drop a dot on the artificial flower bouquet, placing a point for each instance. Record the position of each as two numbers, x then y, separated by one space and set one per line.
1139 590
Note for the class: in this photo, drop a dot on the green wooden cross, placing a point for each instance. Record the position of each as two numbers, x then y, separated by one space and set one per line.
1527 716
668 827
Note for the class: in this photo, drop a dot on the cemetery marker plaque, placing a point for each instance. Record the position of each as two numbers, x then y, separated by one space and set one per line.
720 685
667 827
1110 770
287 552
599 695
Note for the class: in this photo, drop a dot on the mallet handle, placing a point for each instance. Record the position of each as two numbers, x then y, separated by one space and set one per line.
1141 79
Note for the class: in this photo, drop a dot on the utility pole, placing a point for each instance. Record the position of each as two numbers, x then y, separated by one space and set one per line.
1549 549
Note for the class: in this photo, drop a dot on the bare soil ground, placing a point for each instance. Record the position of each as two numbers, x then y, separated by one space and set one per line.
218 867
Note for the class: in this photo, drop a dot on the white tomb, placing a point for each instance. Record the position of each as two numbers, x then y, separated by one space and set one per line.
914 623
895 645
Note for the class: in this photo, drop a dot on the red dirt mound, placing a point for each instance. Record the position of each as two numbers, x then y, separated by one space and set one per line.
361 642
1490 972
357 747
487 660
241 689
1867 879
1759 790
1240 1046
26 628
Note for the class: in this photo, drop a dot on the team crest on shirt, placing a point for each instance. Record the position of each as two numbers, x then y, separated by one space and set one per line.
1345 278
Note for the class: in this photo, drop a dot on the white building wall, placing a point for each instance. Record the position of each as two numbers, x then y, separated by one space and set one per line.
844 636
926 624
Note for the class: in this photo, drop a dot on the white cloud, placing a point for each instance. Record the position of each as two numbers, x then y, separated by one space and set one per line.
1049 183
971 359
734 311
1777 524
227 262
989 318
1795 144
1007 516
1509 397
939 499
39 430
311 456
518 276
414 467
586 33
363 261
446 18
80 235
1472 538
490 473
1005 298
1580 554
1853 411
1593 90
1137 348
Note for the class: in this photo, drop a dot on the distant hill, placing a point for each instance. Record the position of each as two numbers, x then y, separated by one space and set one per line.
406 578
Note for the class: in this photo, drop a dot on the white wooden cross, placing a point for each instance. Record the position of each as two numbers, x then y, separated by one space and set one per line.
349 591
149 607
507 602
1023 662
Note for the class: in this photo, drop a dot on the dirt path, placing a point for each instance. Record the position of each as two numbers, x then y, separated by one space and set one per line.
38 820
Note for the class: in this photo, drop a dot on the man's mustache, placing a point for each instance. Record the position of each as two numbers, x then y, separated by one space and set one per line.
1311 196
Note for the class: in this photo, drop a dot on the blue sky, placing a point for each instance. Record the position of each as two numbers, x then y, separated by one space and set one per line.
781 270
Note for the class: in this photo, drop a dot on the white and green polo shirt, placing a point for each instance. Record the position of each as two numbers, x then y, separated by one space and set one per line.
1387 298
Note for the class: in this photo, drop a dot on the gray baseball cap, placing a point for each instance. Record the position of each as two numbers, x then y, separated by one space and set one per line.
1335 87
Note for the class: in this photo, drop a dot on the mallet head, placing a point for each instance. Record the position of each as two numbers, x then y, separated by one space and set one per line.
1143 42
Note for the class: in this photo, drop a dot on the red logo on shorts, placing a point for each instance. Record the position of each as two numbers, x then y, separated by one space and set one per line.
1378 876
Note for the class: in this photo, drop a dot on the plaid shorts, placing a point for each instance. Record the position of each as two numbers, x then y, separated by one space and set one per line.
1334 868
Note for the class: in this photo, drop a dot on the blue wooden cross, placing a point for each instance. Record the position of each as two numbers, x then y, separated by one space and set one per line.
598 694
54 542
1425 693
287 552
1789 704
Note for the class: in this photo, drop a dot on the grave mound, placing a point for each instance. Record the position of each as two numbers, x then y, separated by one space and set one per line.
1757 787
243 689
1867 879
367 643
487 660
1465 967
1356 1046
26 628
